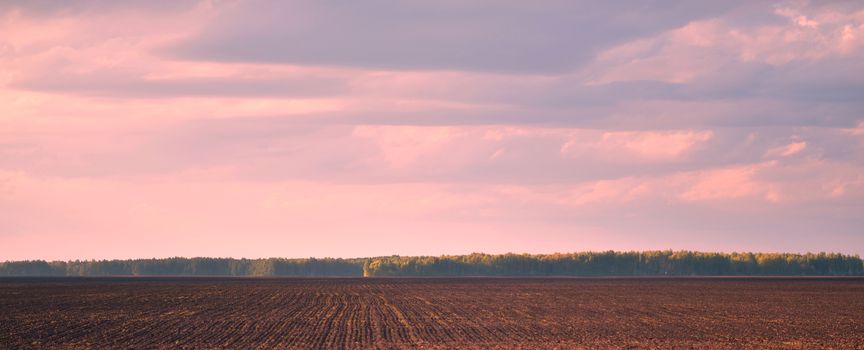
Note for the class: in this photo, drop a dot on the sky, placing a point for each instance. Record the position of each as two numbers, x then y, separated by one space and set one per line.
138 129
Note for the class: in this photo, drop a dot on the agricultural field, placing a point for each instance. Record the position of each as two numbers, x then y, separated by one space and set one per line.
488 313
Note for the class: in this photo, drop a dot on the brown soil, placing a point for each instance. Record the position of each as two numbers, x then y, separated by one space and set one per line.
459 313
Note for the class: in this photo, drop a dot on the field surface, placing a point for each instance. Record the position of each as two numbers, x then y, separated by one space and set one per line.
544 313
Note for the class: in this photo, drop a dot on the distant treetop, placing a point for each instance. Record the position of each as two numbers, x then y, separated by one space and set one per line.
610 263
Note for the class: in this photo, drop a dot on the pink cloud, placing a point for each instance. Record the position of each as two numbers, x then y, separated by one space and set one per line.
858 130
787 150
731 183
403 146
701 48
654 145
608 192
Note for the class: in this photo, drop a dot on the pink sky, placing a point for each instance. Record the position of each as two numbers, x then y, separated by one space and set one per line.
297 128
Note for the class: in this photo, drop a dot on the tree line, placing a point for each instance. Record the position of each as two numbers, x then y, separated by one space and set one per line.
648 263
611 263
186 267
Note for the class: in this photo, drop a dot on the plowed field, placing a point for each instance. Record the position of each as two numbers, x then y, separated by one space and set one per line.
248 313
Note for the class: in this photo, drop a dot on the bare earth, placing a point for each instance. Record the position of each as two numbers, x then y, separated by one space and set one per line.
734 313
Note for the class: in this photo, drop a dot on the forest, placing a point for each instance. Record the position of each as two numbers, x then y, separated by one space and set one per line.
610 263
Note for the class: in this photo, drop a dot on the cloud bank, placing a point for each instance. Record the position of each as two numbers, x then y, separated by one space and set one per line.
308 128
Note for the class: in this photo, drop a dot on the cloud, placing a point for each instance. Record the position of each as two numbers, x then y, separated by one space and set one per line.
174 88
730 58
495 36
654 145
730 183
858 130
45 55
787 150
693 74
65 8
